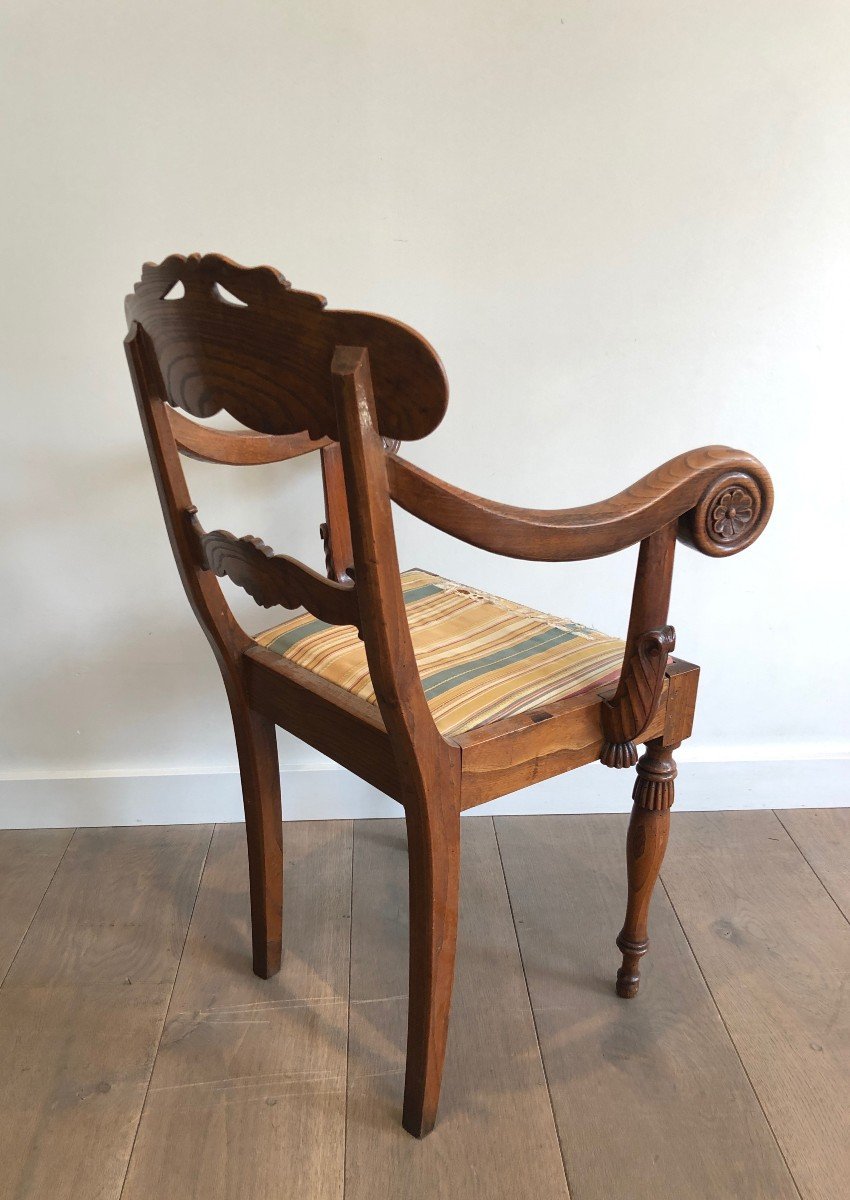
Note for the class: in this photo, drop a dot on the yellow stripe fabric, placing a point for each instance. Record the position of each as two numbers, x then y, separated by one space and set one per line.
480 658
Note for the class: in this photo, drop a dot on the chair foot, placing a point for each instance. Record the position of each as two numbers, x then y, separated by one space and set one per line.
649 829
434 861
628 976
256 744
418 1123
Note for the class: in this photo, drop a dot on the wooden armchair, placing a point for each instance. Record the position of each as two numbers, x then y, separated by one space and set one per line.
440 696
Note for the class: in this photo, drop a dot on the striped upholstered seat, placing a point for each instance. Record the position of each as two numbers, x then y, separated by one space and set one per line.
480 657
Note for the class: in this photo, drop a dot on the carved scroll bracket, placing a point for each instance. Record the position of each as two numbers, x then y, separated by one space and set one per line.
634 704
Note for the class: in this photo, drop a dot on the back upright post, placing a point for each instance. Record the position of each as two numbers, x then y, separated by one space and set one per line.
256 740
428 764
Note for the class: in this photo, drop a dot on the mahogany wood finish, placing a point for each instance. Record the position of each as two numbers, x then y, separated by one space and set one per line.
299 378
511 754
690 489
257 750
243 341
238 448
646 842
340 725
428 764
649 643
335 532
626 717
271 578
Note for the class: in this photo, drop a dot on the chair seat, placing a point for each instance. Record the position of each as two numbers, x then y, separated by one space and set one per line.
480 657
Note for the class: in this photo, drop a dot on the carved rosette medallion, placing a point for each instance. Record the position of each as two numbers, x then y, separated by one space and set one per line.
729 517
732 513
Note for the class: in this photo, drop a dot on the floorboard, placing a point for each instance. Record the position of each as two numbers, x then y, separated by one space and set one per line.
495 1136
82 1007
650 1096
823 838
28 860
123 1077
248 1095
775 952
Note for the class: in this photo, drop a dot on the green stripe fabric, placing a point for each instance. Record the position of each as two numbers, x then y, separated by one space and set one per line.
442 681
481 658
291 637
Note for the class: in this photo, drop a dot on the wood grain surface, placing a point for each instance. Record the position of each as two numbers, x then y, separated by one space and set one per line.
248 1095
206 335
28 860
650 1097
822 835
82 1007
496 1137
726 1077
775 952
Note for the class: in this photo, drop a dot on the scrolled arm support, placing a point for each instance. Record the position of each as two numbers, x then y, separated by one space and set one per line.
649 642
721 499
626 716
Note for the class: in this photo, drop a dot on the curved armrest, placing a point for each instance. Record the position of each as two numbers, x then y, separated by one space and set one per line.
721 498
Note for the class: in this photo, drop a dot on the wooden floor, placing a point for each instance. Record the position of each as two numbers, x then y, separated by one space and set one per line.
140 1058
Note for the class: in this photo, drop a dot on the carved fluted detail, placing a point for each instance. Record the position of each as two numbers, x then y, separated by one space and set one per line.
273 579
649 829
656 772
619 754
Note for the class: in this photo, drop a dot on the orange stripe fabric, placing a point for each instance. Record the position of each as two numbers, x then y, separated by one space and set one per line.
480 657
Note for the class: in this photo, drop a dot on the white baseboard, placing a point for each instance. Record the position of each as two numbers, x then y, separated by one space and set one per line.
324 792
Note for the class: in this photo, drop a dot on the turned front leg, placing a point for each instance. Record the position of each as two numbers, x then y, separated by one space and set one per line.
646 842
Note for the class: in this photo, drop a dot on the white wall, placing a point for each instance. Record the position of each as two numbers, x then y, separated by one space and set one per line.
623 225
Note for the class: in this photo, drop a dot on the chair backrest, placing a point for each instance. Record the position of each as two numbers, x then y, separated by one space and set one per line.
240 339
302 378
